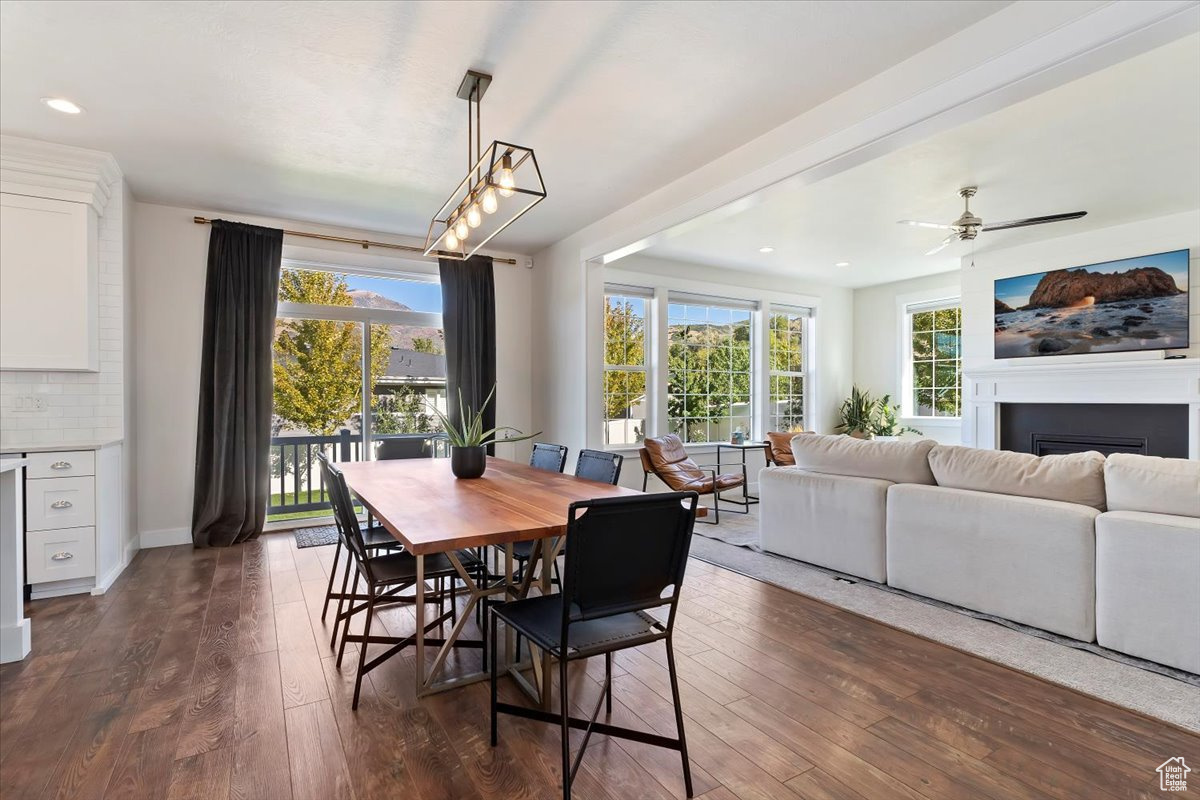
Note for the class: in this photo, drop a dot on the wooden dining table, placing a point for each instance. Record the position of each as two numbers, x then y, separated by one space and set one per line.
429 511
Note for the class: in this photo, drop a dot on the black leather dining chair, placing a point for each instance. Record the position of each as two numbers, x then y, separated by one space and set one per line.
599 465
385 577
375 540
604 608
550 457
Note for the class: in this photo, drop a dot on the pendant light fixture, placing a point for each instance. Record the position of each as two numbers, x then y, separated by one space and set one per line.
502 183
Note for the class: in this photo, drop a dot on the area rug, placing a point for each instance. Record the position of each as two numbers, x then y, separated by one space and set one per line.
1168 694
316 537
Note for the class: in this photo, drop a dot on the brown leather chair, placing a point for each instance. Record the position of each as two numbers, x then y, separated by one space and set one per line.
666 459
779 450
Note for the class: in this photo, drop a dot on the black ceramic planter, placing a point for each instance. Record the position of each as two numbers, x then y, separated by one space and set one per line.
468 462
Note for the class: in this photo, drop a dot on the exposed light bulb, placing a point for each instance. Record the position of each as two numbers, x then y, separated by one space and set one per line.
489 203
451 240
461 230
505 177
473 216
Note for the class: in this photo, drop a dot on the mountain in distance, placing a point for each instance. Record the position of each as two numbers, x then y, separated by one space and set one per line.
402 335
363 298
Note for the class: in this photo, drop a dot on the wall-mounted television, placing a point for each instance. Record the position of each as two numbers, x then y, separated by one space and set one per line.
1116 306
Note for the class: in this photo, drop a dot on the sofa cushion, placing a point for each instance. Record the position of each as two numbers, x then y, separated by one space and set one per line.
1152 484
1147 593
898 462
1022 558
1071 478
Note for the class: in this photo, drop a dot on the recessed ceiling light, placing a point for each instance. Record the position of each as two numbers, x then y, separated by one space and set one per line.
766 249
63 104
842 264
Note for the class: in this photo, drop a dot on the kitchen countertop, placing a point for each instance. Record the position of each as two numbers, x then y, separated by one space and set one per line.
58 447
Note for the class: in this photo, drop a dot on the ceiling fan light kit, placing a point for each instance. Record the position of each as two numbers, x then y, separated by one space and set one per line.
503 181
968 226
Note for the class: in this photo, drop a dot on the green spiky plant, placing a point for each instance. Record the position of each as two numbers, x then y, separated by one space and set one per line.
470 432
887 422
863 416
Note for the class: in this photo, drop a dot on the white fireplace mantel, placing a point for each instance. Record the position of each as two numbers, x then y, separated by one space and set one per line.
1175 381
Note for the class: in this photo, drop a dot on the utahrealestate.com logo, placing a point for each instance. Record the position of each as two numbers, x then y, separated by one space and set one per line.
1172 775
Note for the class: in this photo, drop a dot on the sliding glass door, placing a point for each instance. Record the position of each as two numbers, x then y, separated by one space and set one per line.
359 365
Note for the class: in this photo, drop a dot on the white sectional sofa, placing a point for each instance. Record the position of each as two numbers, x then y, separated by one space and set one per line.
1096 549
1148 560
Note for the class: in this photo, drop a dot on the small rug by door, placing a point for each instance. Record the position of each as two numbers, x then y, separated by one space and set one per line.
316 537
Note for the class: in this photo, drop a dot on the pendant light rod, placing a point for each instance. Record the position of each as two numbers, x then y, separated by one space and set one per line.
368 243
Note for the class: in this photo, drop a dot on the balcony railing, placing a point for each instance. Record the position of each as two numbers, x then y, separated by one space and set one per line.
297 486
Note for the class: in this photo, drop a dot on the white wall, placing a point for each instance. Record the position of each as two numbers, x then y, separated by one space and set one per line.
170 261
82 407
879 342
1174 232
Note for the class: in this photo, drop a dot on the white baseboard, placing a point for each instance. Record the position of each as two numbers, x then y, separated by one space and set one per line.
103 583
166 537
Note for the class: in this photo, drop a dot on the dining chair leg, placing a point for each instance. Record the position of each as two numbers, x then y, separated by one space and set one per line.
608 682
332 573
565 709
683 753
342 600
346 624
494 623
362 648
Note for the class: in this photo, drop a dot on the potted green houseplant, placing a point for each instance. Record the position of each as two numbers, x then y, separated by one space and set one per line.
865 417
469 441
856 414
886 424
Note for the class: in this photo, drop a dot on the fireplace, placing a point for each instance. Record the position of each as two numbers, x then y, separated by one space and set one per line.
1152 429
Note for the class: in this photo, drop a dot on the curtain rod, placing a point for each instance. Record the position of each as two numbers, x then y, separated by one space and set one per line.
366 243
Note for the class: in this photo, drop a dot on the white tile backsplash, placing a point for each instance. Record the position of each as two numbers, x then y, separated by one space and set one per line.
81 406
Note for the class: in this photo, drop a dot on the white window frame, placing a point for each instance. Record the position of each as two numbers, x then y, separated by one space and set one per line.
757 356
906 306
646 294
806 329
365 317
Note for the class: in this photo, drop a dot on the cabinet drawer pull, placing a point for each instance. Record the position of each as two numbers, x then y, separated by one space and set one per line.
61 504
63 556
61 465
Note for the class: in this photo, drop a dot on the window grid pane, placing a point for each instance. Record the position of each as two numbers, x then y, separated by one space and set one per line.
786 357
936 362
708 372
625 369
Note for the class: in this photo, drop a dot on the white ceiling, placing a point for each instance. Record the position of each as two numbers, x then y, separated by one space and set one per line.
345 113
1122 144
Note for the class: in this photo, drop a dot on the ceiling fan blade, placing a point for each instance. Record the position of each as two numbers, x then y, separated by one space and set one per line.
944 244
1021 223
916 223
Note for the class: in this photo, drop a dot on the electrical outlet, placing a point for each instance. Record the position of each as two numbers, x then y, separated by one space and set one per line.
30 403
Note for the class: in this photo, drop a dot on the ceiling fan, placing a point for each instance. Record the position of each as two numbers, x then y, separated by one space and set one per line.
968 226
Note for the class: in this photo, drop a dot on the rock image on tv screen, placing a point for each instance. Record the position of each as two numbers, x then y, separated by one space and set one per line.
1132 304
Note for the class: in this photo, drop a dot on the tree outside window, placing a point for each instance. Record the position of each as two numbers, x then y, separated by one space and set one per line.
625 401
935 339
786 354
708 372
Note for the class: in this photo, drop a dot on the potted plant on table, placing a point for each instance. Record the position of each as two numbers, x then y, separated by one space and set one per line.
469 441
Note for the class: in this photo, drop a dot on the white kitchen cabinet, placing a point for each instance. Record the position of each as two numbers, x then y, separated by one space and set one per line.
49 294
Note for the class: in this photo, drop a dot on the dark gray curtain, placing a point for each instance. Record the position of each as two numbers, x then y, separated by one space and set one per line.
234 432
469 322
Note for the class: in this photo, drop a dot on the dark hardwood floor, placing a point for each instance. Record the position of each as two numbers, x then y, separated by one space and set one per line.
207 674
